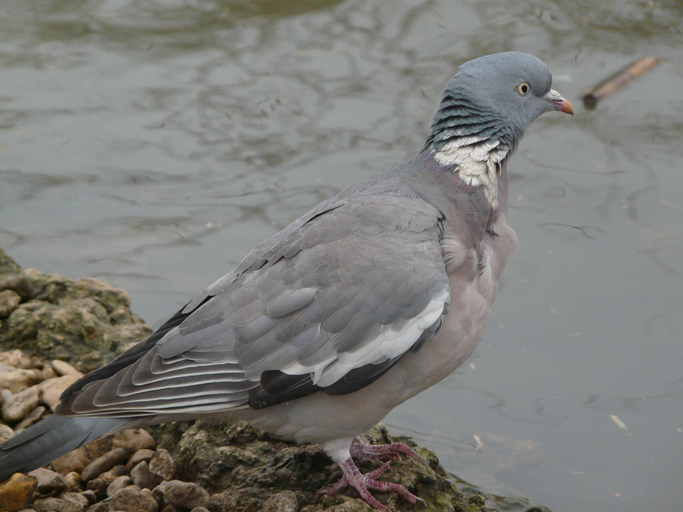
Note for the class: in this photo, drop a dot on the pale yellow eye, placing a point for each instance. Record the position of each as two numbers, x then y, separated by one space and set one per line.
523 89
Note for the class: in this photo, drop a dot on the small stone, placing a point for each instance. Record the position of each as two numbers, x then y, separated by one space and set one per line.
51 389
77 498
162 464
48 373
20 404
133 499
57 505
16 493
31 417
181 494
117 484
5 432
74 461
73 481
143 477
285 501
141 455
16 380
9 300
133 439
104 463
90 496
16 358
200 509
50 483
64 368
168 508
225 501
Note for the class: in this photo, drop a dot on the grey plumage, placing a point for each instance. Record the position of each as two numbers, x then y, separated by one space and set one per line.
364 301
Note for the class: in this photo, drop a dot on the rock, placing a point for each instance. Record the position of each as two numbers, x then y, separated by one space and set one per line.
133 499
77 498
104 463
5 432
118 483
73 481
90 496
143 477
162 464
16 493
139 456
31 417
63 368
133 439
200 509
181 494
20 405
9 300
49 483
74 461
84 321
16 359
48 373
285 501
7 264
57 505
51 390
19 379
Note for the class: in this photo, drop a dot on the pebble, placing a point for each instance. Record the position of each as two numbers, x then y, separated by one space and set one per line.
49 483
5 432
51 389
16 493
182 494
31 417
104 463
162 464
64 368
133 439
134 499
57 505
285 501
9 300
16 358
143 477
22 403
19 379
74 461
141 455
117 484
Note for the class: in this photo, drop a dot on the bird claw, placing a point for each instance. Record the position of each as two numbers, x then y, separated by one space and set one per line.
363 483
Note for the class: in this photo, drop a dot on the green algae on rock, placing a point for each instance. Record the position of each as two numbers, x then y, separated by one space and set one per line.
83 321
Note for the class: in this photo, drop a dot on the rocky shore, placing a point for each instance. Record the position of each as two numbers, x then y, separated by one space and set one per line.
52 329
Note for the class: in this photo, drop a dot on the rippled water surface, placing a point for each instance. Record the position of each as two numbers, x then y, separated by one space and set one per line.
152 143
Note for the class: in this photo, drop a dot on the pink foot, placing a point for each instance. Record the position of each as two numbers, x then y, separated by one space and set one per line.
352 476
368 452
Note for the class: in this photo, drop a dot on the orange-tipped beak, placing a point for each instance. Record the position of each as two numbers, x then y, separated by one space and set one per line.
559 103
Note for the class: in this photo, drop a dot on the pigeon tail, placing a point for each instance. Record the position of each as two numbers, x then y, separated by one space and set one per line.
50 438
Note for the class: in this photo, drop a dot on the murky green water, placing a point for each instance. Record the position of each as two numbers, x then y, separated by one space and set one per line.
151 143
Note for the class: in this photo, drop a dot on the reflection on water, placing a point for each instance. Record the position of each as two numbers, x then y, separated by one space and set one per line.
153 143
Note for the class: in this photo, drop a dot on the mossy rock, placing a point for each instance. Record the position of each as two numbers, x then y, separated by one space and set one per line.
85 321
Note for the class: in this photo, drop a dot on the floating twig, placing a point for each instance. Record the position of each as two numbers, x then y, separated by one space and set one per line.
616 81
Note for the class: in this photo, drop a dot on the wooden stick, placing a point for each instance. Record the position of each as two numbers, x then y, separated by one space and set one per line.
616 81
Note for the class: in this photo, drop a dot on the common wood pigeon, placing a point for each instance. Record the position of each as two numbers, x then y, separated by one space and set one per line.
369 298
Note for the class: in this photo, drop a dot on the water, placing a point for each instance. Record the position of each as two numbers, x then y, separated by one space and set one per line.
152 143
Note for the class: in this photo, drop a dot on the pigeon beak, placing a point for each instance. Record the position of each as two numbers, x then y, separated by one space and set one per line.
558 102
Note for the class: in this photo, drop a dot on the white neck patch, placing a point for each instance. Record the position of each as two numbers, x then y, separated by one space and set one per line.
476 161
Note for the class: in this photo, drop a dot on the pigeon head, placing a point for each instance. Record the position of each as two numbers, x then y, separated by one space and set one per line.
494 98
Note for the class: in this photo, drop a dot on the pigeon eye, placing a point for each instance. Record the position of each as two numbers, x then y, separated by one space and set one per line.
523 88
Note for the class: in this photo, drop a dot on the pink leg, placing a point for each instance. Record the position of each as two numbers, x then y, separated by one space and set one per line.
366 452
352 476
